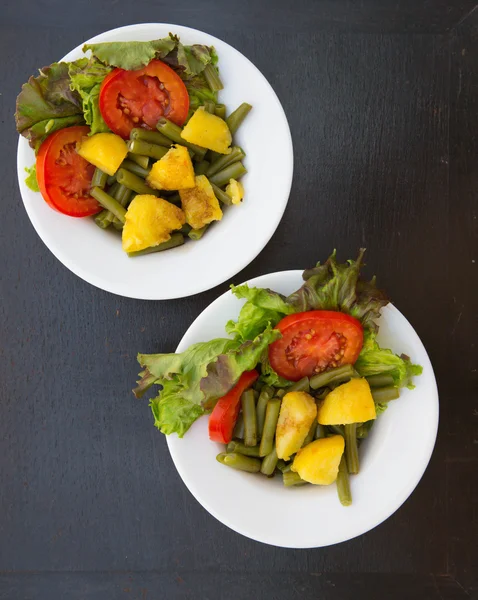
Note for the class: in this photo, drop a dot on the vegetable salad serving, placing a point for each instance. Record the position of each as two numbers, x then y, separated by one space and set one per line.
134 135
296 387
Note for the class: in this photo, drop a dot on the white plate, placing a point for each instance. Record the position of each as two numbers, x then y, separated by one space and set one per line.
230 245
393 458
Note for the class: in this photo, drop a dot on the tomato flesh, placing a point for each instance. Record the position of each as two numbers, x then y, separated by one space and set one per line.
224 416
64 177
315 341
140 98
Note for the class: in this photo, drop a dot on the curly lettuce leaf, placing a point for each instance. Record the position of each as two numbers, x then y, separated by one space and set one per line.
86 77
31 179
46 104
271 377
131 55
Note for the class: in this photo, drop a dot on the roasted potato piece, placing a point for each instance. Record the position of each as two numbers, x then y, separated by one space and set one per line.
208 131
172 172
149 222
104 150
235 191
200 204
297 413
318 462
351 402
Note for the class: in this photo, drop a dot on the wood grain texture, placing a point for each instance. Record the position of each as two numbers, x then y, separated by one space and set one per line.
382 102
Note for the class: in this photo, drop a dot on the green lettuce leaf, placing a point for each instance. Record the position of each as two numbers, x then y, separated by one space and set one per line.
46 104
31 179
86 77
172 413
131 55
269 376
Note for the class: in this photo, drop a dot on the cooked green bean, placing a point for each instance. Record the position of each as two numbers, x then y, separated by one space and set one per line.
111 179
173 132
196 234
241 448
343 484
323 394
221 195
364 429
240 462
109 203
299 386
385 394
147 149
256 394
153 137
132 167
280 393
310 436
142 161
133 182
209 106
339 374
176 240
319 432
336 429
220 111
351 449
238 432
283 465
290 478
99 178
266 394
270 424
248 404
235 119
102 219
173 198
225 160
378 381
234 171
201 168
269 463
211 75
185 229
123 195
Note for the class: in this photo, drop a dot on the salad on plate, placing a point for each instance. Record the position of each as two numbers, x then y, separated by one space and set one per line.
134 135
298 384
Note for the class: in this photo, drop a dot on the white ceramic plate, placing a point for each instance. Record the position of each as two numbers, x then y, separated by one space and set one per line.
230 245
312 516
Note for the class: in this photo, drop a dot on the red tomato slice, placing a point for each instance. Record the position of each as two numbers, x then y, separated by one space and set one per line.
64 177
315 341
224 416
140 98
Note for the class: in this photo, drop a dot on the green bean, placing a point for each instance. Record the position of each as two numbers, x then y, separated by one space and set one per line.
221 195
283 465
351 449
173 132
146 149
377 381
225 160
323 394
142 161
240 462
336 429
234 171
385 394
132 167
212 77
290 478
99 178
343 484
133 182
238 432
201 168
310 436
269 463
235 119
176 240
111 179
319 431
185 229
241 448
220 111
211 156
102 220
109 203
299 386
196 234
339 374
256 394
209 106
270 424
123 195
266 394
153 137
364 429
173 198
250 422
280 393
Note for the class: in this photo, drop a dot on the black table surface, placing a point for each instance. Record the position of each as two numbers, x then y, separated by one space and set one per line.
382 101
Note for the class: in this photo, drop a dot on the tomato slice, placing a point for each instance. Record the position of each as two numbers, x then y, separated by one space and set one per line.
140 98
315 341
224 416
64 177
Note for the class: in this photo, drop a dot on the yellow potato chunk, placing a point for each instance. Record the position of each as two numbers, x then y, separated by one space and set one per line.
297 413
351 402
200 204
318 462
172 172
104 150
208 131
235 191
149 222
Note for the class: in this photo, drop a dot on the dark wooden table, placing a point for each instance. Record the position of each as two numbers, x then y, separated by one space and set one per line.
382 100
